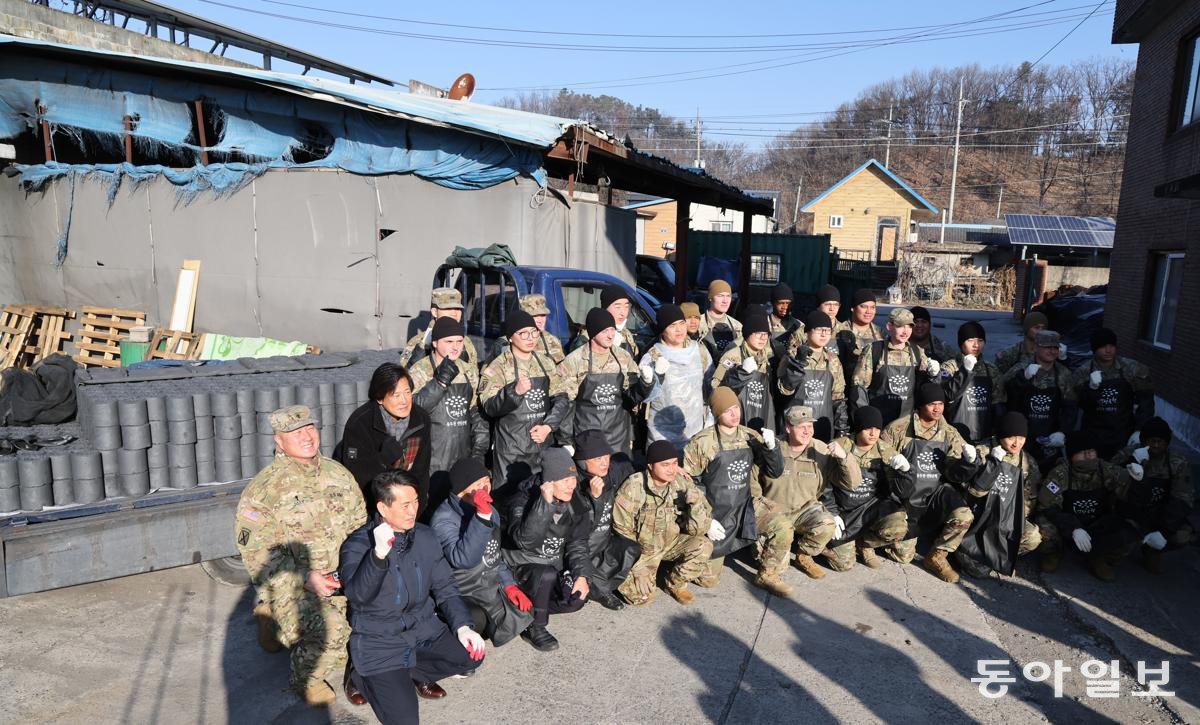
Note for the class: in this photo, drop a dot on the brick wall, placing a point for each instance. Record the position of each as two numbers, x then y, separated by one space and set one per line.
1156 154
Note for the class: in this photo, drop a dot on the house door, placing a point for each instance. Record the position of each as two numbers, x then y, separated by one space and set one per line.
887 232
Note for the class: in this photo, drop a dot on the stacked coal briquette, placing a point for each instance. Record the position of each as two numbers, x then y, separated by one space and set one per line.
143 433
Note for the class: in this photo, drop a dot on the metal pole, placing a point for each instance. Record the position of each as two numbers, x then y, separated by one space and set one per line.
887 155
796 208
942 238
999 201
697 138
957 128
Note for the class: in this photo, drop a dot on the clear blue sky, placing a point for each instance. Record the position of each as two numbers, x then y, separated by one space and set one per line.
817 79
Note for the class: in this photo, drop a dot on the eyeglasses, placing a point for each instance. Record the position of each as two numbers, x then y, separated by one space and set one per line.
527 334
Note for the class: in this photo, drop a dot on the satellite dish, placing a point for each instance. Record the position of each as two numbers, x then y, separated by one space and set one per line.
462 88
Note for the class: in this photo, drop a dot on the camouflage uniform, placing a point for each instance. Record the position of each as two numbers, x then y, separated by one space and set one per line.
849 340
1105 484
1017 354
779 327
708 321
292 519
934 347
443 298
956 382
799 491
574 370
1169 515
1106 419
898 434
774 530
733 358
500 402
548 343
422 374
885 530
1031 477
669 523
1022 393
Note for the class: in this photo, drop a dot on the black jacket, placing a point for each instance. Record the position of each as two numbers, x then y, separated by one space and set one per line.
392 602
535 538
367 450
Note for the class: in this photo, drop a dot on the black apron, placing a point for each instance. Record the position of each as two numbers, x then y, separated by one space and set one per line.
1146 500
450 429
892 386
553 547
720 338
726 483
612 554
758 410
865 504
817 393
515 456
480 585
1042 408
1110 413
995 534
973 410
599 405
1087 506
927 459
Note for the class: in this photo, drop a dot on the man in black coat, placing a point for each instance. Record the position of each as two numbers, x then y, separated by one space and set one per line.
396 581
548 528
387 432
601 471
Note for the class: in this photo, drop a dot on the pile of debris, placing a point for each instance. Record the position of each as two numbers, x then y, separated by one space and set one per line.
963 286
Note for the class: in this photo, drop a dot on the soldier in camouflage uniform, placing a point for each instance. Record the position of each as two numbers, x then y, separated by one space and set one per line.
975 391
810 467
783 323
746 370
940 460
1080 498
719 331
1116 394
291 521
888 371
924 338
445 302
548 343
1043 392
810 374
1161 504
616 300
852 334
668 516
1020 353
726 461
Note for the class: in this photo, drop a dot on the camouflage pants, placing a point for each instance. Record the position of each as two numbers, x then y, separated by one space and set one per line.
688 556
774 546
884 531
1031 538
948 538
317 630
812 528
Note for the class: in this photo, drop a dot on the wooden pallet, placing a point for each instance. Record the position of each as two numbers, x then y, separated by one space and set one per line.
100 333
16 326
49 333
175 345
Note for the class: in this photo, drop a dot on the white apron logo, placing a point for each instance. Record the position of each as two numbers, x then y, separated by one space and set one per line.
1085 507
1109 397
755 391
606 394
551 545
977 397
535 399
1039 406
491 554
814 390
898 384
1002 485
738 471
927 461
456 406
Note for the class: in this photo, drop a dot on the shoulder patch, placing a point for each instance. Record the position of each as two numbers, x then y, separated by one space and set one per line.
252 515
728 363
1052 487
243 537
351 454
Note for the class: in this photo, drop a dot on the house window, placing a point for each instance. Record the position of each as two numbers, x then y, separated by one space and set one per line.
1189 90
1164 300
722 226
836 221
765 268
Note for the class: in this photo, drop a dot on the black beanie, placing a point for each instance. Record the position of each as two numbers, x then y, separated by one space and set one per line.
861 296
920 313
753 321
446 327
1102 337
816 319
591 444
969 330
517 320
867 417
1079 441
598 320
930 393
1012 424
465 472
668 314
611 294
1155 428
660 451
781 292
828 293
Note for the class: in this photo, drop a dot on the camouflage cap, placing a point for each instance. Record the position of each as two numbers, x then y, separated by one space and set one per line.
900 317
535 305
293 417
798 414
1047 338
446 298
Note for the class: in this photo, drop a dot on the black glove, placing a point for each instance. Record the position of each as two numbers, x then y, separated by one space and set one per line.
446 371
800 359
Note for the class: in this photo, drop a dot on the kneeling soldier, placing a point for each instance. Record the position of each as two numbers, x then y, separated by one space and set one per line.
1160 506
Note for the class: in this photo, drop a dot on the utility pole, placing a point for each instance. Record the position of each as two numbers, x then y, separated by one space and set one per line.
957 129
999 201
796 208
887 155
699 163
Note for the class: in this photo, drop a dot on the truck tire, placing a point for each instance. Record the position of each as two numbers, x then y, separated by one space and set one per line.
229 571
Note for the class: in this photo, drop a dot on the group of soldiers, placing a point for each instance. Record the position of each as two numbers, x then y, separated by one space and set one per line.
615 471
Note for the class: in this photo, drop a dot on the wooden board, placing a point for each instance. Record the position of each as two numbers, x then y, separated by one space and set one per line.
16 325
174 345
49 335
101 330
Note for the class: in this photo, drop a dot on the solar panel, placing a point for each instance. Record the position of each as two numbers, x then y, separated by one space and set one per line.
1054 237
1100 223
1104 239
1060 231
1021 221
1081 238
1046 222
1070 222
1018 235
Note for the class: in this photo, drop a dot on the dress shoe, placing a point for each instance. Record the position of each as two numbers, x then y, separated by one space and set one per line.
540 638
353 695
429 690
609 601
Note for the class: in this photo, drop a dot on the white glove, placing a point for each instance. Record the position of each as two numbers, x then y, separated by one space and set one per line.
839 527
933 367
383 537
837 451
999 453
1056 440
1094 380
969 362
969 453
716 531
899 462
1062 351
1135 439
1141 455
1136 472
619 339
768 438
472 642
647 371
662 366
1031 370
750 365
569 449
1155 540
1083 540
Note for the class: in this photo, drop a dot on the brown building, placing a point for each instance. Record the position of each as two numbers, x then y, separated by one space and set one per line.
1155 293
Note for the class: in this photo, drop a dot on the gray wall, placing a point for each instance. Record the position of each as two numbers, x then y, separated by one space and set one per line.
290 244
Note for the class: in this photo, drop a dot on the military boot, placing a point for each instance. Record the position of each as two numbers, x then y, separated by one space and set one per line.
1050 561
937 564
772 582
707 581
805 563
1101 568
266 628
1152 559
972 566
869 557
681 594
318 693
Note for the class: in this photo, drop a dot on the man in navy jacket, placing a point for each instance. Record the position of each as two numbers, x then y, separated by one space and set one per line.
396 578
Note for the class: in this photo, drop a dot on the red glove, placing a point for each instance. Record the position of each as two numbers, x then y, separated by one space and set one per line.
517 597
482 498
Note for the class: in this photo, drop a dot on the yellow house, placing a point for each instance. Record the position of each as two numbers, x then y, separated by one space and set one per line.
869 212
